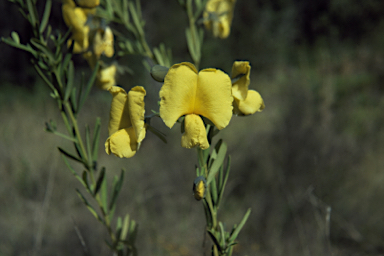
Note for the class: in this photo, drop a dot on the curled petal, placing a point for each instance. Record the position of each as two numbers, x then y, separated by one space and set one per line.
252 104
122 143
240 69
195 134
119 116
137 110
178 92
213 97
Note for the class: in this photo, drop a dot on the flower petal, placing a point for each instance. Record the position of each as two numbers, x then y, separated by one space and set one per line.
240 87
119 116
195 134
178 92
137 110
122 143
105 77
214 97
252 104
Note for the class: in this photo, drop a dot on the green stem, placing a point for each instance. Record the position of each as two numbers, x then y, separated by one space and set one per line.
68 110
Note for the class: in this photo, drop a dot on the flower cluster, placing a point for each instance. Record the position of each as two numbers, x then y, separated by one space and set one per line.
91 37
186 93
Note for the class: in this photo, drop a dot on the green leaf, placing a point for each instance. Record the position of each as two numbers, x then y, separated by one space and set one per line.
73 171
116 189
222 235
100 181
43 49
89 86
133 228
104 197
70 155
135 18
89 206
65 63
85 179
88 144
32 13
12 43
237 230
222 186
49 83
214 192
96 139
47 12
71 76
125 228
190 43
15 37
221 149
215 240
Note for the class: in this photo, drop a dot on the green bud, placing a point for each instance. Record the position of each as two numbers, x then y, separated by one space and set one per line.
159 72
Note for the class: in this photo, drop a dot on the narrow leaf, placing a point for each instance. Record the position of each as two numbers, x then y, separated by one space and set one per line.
89 85
124 231
15 37
70 155
116 189
89 206
47 12
96 139
73 171
239 227
68 89
100 181
221 149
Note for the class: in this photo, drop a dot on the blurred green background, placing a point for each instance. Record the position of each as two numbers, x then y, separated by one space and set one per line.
310 165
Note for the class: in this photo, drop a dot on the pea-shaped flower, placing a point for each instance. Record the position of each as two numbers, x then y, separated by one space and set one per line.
187 92
75 18
126 123
103 42
246 102
218 17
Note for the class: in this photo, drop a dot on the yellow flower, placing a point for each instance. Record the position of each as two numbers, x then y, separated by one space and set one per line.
187 92
75 18
246 102
126 123
199 188
88 3
103 42
218 16
106 77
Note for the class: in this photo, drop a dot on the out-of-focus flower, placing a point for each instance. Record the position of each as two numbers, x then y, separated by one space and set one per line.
76 17
126 123
187 92
246 102
218 16
106 77
103 42
88 3
199 188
